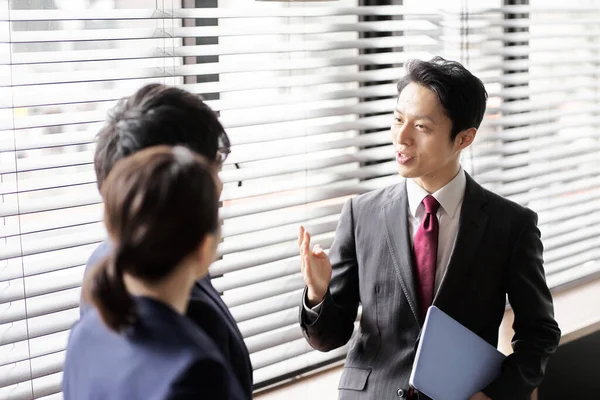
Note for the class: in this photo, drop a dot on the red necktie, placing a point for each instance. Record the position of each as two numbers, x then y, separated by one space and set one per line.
425 245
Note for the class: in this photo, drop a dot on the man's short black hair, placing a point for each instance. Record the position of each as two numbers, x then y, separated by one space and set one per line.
159 115
461 94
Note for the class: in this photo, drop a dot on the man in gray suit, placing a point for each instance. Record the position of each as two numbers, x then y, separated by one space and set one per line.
436 237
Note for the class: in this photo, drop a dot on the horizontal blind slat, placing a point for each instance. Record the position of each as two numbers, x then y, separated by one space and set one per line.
265 323
271 372
37 347
264 290
257 274
22 97
44 304
90 73
32 369
38 327
256 258
305 11
308 196
217 31
273 338
44 284
143 52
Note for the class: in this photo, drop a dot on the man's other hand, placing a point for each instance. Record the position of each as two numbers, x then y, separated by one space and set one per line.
316 268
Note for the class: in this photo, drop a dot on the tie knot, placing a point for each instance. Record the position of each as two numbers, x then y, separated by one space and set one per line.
431 205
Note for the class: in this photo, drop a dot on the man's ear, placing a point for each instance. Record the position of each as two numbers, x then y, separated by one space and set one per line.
465 138
205 254
208 248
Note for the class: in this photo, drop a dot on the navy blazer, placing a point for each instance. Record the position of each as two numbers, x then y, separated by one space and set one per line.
207 310
162 356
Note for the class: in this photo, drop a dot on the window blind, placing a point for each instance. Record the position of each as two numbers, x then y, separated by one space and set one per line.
306 92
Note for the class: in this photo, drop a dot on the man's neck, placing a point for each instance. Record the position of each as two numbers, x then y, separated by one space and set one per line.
433 183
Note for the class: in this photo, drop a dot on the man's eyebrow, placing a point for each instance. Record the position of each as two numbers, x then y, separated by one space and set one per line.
419 117
425 117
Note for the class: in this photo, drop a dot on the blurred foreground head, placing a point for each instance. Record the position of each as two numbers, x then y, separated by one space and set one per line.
161 213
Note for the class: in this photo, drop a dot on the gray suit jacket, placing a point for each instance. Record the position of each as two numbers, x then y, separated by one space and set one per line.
498 252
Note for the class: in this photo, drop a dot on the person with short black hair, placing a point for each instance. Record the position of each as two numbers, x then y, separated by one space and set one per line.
154 115
435 238
158 114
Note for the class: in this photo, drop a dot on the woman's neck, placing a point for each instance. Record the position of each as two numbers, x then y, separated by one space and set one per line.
174 290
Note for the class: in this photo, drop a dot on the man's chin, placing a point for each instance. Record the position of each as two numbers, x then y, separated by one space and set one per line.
407 173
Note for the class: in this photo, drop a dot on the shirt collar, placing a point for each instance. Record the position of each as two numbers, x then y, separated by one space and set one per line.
449 196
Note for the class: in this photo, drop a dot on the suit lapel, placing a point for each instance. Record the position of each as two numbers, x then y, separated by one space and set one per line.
471 228
398 240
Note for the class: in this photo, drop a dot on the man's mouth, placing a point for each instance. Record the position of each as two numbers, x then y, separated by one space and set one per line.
403 158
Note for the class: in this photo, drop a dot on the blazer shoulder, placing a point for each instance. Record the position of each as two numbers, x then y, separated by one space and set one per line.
103 250
199 341
507 208
379 197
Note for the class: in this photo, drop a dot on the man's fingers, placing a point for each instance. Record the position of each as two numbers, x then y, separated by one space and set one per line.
300 236
303 264
306 243
317 250
301 242
307 269
302 250
302 239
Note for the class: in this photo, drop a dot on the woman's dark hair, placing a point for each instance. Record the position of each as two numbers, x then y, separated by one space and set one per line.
160 203
462 94
159 115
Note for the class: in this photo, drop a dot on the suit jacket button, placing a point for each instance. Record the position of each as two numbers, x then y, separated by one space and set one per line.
401 393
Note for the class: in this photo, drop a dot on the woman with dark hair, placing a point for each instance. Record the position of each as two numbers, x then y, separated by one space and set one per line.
161 213
157 115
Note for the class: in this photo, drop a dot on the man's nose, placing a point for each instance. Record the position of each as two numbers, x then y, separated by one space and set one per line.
402 135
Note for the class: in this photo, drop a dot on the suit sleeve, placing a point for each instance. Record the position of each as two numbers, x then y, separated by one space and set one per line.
212 323
332 327
204 379
536 332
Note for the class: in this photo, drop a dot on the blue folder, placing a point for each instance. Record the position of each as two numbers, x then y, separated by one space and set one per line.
452 363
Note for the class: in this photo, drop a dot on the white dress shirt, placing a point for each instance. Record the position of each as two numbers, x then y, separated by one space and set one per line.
450 198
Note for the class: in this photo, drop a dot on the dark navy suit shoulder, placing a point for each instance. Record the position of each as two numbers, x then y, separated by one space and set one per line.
162 356
206 310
